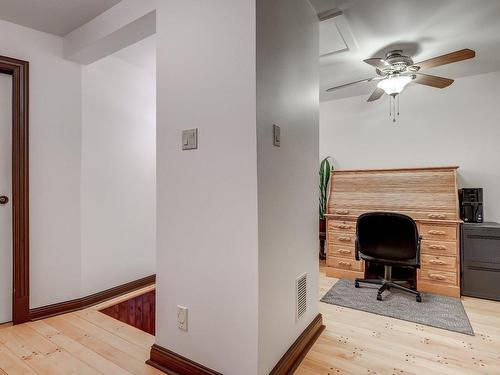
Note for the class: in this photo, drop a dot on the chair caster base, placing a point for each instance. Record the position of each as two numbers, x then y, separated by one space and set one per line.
418 298
379 297
356 284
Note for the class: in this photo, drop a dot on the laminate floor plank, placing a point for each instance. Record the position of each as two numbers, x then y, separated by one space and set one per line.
118 328
357 342
64 360
354 342
11 365
136 351
85 342
78 350
68 327
39 362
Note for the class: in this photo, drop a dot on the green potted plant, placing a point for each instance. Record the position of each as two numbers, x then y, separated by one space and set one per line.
325 170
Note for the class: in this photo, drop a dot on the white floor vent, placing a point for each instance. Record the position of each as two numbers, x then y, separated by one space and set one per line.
301 296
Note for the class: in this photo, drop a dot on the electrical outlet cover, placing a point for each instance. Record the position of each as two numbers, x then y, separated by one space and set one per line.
182 317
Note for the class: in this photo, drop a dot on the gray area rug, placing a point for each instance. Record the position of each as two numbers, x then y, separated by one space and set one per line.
435 311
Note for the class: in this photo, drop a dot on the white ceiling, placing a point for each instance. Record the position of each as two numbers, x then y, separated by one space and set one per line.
423 29
367 28
58 17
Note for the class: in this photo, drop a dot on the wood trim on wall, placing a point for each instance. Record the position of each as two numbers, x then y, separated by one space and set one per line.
174 364
296 353
19 70
435 168
94 299
138 311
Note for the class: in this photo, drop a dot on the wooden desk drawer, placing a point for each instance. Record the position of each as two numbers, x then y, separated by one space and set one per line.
345 263
338 226
441 263
339 211
438 232
342 251
439 216
352 213
438 276
446 248
342 238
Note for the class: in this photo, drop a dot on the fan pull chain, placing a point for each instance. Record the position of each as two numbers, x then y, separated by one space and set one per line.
393 108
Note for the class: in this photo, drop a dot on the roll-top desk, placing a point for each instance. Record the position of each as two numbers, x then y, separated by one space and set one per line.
428 195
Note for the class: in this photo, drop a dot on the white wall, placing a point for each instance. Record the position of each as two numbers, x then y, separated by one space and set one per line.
118 148
55 138
207 198
458 125
287 95
118 174
241 308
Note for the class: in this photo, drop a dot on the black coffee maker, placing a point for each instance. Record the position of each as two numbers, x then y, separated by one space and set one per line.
471 205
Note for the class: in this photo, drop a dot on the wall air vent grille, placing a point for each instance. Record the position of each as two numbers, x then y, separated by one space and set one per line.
301 296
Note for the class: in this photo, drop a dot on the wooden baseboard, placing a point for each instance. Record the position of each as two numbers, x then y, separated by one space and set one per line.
292 358
174 364
84 302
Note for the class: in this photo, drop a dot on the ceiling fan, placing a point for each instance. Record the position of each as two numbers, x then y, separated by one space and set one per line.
396 70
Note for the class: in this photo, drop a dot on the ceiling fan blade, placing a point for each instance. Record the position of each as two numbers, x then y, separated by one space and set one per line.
449 58
353 83
377 62
434 81
376 94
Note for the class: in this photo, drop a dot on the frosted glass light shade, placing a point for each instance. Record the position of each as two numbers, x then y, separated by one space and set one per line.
394 85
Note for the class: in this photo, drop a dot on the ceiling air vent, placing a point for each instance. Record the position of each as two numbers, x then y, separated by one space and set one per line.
301 296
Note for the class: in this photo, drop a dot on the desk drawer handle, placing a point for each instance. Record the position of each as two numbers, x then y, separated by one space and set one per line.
437 247
437 276
342 263
342 226
436 216
345 239
342 212
437 261
344 251
437 232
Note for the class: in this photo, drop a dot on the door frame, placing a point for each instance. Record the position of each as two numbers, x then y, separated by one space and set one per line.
19 70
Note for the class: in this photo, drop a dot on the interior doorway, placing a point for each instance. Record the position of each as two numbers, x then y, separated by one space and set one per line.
14 190
6 247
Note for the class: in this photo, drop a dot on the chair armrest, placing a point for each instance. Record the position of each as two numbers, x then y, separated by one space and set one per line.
419 242
356 248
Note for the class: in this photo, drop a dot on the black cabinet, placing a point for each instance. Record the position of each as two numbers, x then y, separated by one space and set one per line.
480 260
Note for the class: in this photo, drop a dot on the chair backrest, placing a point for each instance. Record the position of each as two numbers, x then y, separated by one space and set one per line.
387 235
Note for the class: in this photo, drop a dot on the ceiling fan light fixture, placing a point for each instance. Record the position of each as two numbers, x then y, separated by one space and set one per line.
394 85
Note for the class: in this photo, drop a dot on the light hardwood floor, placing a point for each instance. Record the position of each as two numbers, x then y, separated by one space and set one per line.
355 342
79 343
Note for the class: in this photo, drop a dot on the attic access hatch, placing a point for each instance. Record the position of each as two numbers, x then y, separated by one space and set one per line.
335 35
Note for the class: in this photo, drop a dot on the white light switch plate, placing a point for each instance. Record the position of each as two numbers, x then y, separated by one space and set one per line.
190 139
276 135
182 316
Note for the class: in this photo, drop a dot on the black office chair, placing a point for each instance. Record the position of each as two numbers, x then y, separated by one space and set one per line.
388 239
